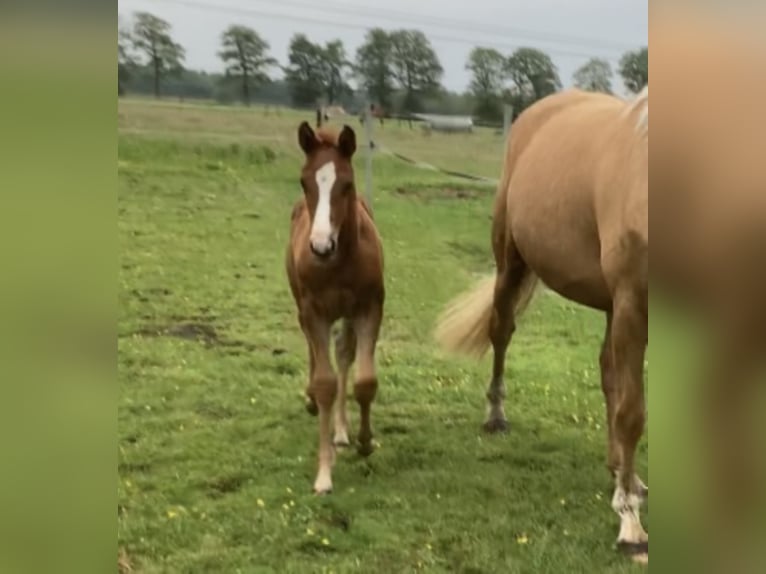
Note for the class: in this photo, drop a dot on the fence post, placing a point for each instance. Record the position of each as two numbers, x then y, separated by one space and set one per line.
368 129
507 115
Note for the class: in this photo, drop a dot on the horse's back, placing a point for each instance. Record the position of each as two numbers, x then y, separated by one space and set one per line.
565 149
548 119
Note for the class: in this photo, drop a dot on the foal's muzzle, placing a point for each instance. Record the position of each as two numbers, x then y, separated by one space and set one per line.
323 249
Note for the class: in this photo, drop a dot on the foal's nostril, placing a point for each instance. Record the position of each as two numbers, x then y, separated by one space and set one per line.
325 251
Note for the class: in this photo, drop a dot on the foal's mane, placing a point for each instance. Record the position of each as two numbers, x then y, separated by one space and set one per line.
327 136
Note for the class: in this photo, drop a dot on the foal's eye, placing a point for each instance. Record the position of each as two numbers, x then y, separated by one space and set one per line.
348 187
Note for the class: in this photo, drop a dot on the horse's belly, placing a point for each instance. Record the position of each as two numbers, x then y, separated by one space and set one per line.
572 269
590 291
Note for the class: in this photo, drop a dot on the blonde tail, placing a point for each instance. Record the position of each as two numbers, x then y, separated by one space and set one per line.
463 326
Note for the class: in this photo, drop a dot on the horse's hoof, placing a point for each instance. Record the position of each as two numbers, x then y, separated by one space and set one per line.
311 407
493 426
323 491
636 551
365 448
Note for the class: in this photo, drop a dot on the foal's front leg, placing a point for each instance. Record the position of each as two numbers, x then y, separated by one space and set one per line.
311 405
367 327
323 390
345 352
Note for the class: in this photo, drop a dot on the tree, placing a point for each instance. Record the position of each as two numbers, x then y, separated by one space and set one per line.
634 69
415 66
304 71
374 66
334 71
151 35
245 56
125 60
534 76
315 71
594 76
487 67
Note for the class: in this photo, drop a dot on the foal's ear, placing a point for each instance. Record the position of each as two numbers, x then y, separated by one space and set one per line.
307 138
347 142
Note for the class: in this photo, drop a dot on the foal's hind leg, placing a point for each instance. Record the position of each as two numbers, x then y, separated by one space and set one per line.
345 352
365 388
502 325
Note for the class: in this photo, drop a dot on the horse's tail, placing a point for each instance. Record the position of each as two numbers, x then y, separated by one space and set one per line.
463 327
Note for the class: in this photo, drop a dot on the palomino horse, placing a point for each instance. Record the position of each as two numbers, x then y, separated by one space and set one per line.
572 210
335 269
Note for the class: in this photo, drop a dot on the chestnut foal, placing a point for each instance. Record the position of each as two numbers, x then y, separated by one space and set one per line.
335 269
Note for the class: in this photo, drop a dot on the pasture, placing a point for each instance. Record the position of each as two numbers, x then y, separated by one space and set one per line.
216 453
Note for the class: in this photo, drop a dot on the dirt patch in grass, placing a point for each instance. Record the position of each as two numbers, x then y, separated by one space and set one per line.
395 429
437 193
197 329
341 520
223 485
129 467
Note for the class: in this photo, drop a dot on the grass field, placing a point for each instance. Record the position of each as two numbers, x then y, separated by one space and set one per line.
216 453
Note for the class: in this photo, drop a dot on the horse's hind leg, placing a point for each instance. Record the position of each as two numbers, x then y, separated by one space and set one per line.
610 390
367 328
508 283
629 335
345 353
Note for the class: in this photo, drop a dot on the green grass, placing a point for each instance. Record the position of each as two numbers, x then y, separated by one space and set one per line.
216 454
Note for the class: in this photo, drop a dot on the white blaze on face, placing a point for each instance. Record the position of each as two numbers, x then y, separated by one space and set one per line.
323 236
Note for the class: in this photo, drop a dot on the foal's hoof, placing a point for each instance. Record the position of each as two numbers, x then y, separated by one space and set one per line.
641 489
636 551
341 442
365 448
493 426
311 407
322 491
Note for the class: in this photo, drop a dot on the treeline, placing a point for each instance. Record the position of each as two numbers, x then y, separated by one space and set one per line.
398 70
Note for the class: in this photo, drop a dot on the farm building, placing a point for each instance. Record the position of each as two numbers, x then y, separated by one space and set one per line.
442 123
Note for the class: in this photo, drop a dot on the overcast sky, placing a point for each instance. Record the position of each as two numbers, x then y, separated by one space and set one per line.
571 31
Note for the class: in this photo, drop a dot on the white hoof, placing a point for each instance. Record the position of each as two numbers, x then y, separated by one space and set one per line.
322 486
341 438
